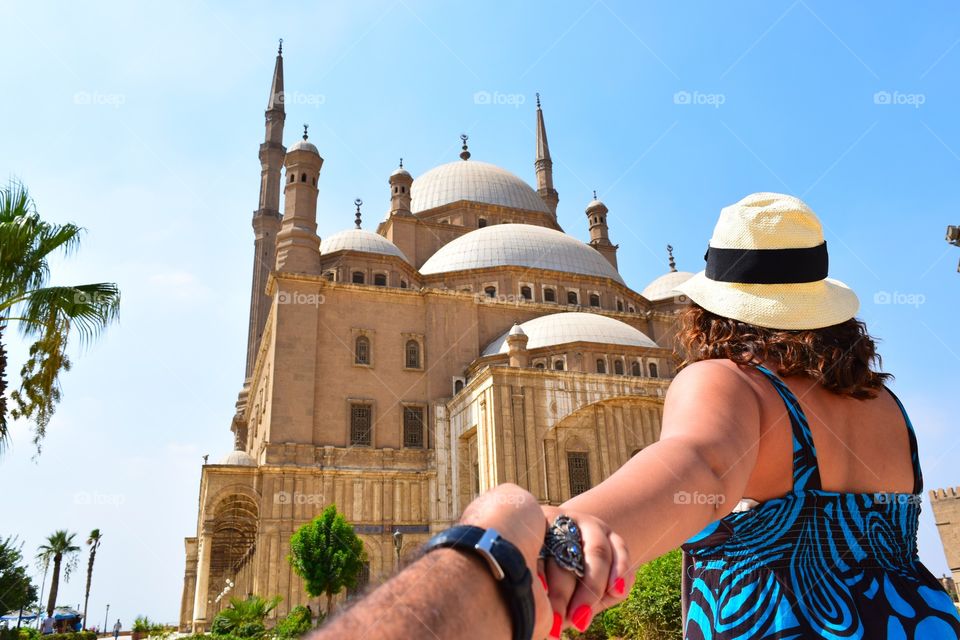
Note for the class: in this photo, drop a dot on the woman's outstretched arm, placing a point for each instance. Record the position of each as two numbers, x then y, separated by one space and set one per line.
694 474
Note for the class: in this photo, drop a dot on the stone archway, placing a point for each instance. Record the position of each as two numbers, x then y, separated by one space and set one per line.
589 444
233 535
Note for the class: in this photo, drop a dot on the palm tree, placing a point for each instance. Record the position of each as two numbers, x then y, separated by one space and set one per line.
245 618
60 549
44 314
93 541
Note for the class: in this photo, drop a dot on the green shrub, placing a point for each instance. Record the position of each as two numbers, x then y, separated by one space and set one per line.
295 624
142 624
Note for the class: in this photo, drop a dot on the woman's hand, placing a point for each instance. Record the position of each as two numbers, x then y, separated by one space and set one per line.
607 575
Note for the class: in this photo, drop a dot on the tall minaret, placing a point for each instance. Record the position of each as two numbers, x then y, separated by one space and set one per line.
298 245
599 232
266 219
544 165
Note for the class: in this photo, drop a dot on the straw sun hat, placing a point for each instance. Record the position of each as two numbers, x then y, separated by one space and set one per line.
767 266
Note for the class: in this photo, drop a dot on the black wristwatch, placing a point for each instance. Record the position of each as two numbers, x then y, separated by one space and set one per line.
506 564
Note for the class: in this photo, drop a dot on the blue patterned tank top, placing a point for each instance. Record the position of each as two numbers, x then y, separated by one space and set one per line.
815 563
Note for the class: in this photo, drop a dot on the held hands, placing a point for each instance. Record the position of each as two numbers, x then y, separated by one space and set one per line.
606 580
561 598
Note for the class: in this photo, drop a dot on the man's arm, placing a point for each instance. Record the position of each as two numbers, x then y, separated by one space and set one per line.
445 594
449 593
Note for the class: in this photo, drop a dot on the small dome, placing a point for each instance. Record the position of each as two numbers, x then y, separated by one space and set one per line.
239 459
476 182
517 330
303 145
573 326
400 172
360 240
519 245
596 204
663 287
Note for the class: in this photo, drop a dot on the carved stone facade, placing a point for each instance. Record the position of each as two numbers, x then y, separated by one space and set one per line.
397 374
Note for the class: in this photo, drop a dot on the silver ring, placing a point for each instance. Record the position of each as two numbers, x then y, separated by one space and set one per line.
564 544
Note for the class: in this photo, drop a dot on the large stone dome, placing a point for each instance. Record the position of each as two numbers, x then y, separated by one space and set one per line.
475 182
573 326
519 245
360 240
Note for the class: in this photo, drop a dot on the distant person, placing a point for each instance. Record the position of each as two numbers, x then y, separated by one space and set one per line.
46 627
116 629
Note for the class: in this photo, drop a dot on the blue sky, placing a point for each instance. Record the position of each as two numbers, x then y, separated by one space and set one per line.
141 123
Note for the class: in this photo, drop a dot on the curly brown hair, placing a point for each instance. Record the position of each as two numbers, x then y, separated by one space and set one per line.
840 357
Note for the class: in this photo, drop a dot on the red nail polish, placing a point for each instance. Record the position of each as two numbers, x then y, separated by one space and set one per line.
581 617
619 585
557 623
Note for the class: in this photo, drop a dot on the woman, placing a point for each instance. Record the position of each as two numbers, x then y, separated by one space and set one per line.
785 468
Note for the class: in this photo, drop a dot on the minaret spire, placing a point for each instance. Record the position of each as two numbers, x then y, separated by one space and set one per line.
266 219
673 263
544 165
358 203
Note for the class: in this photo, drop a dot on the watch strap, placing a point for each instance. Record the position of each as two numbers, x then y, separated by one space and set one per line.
513 577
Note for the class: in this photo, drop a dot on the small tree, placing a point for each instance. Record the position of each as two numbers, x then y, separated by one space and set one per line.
327 554
653 609
59 548
244 618
16 589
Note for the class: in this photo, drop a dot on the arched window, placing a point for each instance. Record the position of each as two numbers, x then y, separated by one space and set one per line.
526 293
549 295
293 177
540 365
601 365
357 277
594 300
618 367
458 386
361 350
635 369
403 284
653 370
380 279
412 351
330 275
481 223
571 297
619 305
303 177
558 365
490 291
631 309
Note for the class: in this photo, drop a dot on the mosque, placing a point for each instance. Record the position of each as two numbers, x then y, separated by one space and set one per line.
398 373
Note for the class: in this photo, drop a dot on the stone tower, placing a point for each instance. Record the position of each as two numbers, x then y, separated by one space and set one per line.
298 245
599 232
400 183
946 513
544 165
266 219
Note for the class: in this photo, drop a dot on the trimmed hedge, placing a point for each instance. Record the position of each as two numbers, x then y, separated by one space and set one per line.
25 633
